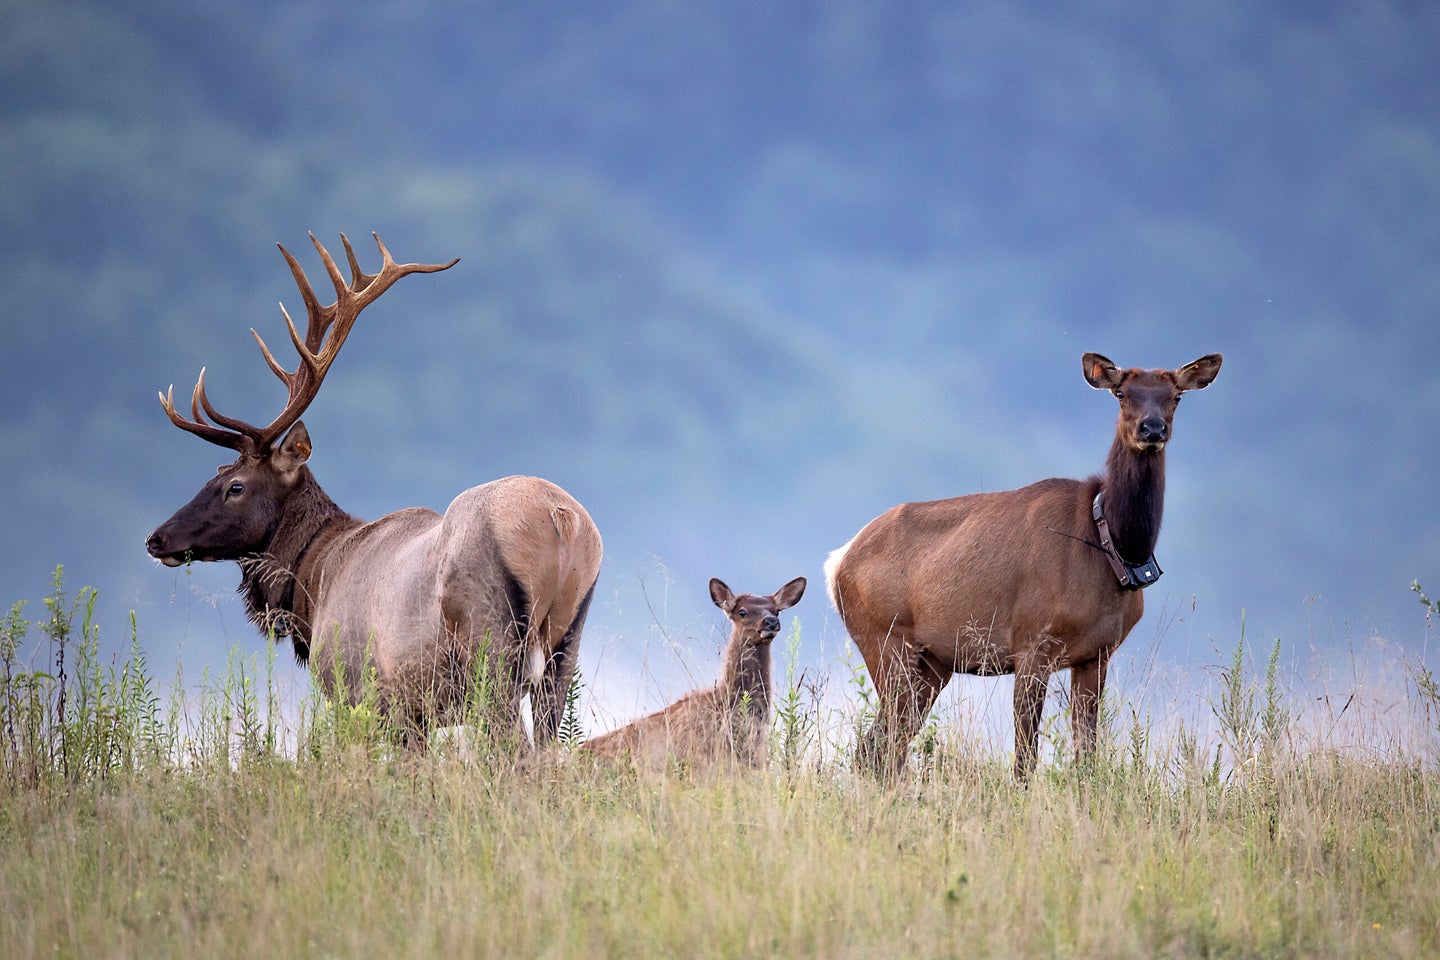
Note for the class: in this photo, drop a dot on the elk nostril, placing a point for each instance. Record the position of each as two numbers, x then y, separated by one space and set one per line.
1152 428
771 624
154 543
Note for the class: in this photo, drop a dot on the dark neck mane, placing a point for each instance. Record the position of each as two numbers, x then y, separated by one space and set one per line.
1134 500
279 584
746 669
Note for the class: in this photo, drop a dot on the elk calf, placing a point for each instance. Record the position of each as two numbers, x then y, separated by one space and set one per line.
729 721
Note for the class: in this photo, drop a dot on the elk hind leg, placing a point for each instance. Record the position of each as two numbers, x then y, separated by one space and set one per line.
906 683
553 688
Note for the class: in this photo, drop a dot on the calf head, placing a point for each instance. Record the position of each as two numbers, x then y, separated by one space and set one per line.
756 618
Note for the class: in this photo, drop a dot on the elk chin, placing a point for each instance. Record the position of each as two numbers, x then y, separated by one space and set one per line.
162 547
171 558
179 558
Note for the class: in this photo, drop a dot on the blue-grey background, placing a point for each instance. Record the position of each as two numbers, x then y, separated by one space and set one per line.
740 276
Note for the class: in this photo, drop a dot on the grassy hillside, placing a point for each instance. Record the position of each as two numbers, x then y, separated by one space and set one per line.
136 825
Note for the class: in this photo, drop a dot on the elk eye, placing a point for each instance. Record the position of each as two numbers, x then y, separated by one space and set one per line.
1119 394
235 489
742 612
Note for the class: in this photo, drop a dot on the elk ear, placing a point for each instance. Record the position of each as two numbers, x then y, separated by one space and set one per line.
1100 372
1198 375
293 451
790 594
723 596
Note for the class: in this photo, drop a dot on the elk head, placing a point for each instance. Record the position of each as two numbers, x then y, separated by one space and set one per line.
1148 397
756 618
237 513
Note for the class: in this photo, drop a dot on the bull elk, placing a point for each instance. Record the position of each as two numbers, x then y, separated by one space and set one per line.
1027 582
728 721
509 569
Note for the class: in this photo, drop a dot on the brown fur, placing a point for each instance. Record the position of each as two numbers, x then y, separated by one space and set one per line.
1012 582
727 722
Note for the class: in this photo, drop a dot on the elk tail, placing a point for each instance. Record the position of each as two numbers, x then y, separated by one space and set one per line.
566 523
832 570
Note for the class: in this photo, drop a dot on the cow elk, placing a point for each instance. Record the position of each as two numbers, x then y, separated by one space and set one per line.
508 571
728 722
1028 581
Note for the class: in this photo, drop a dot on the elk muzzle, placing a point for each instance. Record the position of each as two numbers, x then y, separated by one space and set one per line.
1152 432
156 546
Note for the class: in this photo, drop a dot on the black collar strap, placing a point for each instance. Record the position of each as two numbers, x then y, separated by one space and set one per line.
1132 576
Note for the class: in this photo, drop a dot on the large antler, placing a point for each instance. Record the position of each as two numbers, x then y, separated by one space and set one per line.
316 351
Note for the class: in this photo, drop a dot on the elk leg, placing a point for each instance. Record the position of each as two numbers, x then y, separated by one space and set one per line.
548 699
485 681
414 732
550 694
869 746
483 676
1030 685
875 753
1087 684
907 683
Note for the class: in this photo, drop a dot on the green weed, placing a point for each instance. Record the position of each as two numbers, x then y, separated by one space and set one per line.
794 724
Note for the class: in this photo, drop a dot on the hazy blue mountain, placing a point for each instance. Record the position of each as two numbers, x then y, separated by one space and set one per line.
740 277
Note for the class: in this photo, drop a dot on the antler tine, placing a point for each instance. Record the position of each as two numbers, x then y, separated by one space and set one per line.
237 438
358 278
318 320
270 360
230 423
309 358
336 277
406 268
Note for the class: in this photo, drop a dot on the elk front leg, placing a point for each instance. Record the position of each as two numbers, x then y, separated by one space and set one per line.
1087 685
1030 684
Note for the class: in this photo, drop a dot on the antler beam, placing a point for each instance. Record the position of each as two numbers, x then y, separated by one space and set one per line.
326 330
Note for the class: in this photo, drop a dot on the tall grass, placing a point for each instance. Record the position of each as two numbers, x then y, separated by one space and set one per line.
130 826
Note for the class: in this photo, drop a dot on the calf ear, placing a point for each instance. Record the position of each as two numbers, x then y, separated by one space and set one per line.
790 594
293 451
1198 375
722 595
1100 372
